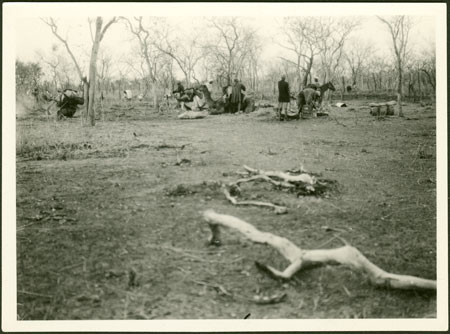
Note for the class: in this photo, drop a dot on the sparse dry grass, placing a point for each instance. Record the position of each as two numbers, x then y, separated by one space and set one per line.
94 210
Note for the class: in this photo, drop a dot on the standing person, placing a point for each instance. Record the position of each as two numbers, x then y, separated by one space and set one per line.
236 96
283 97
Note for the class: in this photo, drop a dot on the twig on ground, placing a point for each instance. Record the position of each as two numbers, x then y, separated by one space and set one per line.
346 291
71 266
339 123
23 292
327 242
277 208
305 178
265 178
218 287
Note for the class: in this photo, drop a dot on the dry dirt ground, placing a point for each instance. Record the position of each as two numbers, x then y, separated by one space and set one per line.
109 218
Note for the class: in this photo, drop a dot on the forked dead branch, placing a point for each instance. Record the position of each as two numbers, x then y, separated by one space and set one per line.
303 258
298 181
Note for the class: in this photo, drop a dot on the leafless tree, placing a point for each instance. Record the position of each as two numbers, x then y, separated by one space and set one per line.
300 36
58 67
399 28
357 54
428 65
231 46
334 33
143 33
251 68
377 73
53 63
186 51
89 84
104 69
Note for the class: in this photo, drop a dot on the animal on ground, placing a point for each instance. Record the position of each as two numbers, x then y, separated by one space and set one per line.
312 97
225 106
68 101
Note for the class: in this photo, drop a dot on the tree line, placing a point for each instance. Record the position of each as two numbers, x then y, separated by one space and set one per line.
224 48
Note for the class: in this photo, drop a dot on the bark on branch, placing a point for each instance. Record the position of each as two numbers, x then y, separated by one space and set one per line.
305 178
276 208
302 258
51 23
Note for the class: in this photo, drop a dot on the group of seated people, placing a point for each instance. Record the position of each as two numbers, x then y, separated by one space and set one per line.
232 95
193 96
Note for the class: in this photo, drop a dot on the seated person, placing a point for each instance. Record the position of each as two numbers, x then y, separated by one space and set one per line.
182 95
198 101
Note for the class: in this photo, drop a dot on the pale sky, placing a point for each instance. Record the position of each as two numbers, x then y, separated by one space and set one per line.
33 36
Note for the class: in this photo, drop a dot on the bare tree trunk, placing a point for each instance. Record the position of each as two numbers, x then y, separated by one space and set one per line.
92 79
374 82
84 115
399 90
155 97
418 81
307 72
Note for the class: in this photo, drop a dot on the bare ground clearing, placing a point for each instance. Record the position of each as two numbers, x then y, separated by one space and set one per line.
99 236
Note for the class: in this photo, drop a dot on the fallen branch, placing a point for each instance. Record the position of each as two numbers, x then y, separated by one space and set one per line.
23 292
305 178
219 288
277 208
265 178
346 255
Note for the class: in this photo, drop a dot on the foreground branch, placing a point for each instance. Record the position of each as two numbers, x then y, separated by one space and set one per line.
277 208
305 178
346 255
265 178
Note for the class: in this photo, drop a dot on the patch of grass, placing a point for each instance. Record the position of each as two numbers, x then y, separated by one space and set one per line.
85 223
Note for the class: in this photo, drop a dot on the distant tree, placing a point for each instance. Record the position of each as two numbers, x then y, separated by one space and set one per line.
334 33
428 66
60 69
144 34
299 35
103 70
399 28
185 50
231 46
357 54
28 76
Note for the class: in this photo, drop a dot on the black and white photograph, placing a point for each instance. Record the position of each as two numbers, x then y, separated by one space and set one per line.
224 166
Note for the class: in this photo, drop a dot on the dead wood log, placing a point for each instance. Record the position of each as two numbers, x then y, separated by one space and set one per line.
190 114
277 208
305 178
346 255
265 178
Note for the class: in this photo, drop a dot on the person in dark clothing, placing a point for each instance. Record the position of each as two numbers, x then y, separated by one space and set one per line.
181 95
283 97
179 89
237 96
